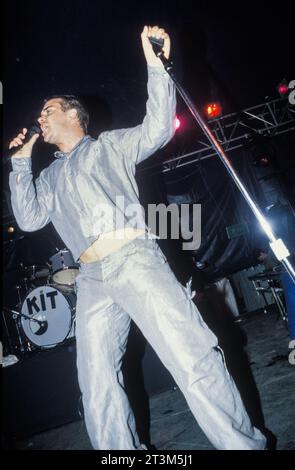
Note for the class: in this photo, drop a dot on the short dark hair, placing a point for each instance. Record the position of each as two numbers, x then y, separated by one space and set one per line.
73 102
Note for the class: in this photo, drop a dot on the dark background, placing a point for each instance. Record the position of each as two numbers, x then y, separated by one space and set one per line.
93 48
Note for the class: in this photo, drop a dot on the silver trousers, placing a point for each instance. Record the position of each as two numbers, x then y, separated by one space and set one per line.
137 283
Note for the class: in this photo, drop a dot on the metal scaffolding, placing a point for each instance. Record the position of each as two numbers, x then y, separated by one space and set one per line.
234 131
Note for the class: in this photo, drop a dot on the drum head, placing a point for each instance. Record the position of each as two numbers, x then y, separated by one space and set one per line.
65 276
47 318
63 267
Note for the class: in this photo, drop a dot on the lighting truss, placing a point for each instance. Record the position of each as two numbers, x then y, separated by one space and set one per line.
233 131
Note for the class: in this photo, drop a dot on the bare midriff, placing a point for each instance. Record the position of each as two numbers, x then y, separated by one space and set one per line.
109 242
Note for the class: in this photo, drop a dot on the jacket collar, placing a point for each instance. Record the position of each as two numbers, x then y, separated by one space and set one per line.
60 154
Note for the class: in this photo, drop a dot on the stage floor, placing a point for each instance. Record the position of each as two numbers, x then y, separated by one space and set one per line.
265 340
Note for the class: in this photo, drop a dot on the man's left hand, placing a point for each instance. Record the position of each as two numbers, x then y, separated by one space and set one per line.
158 33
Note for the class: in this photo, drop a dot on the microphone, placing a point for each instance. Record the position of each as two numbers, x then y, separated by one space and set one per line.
158 42
33 129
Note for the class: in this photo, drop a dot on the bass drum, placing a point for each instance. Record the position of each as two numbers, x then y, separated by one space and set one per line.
48 316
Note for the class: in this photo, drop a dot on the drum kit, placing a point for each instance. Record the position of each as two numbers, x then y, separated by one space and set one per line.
45 313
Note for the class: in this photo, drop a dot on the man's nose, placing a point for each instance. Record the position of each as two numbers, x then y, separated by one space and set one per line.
40 119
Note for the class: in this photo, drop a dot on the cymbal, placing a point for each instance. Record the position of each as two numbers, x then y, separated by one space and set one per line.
15 269
36 272
29 272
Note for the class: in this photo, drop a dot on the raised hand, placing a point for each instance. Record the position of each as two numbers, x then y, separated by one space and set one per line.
158 33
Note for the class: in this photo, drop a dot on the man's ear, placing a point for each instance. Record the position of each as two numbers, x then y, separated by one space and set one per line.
72 114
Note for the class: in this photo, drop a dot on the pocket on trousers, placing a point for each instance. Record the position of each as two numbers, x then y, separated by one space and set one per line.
220 351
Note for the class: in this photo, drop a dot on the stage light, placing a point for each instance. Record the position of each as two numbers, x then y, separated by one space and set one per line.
177 123
213 110
283 88
11 229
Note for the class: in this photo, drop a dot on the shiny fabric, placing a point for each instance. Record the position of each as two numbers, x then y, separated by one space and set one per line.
133 282
78 191
136 282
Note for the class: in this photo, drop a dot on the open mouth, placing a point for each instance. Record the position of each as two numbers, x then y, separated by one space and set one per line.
44 130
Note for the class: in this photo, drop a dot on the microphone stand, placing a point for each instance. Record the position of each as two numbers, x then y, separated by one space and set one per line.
277 245
19 314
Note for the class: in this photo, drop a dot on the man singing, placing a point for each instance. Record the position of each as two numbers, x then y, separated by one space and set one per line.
123 273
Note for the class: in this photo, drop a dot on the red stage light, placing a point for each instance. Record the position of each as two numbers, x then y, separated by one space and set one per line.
283 88
213 110
177 123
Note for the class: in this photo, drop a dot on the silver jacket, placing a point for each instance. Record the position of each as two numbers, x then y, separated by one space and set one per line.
79 191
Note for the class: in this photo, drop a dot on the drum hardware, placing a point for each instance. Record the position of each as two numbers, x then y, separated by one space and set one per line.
36 272
31 272
35 275
18 288
16 317
44 316
42 323
277 293
9 342
64 269
273 287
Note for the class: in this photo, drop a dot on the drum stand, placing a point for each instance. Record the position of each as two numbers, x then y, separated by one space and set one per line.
276 291
16 317
10 345
277 245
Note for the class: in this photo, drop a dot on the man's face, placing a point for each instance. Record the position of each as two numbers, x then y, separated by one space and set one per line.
53 121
